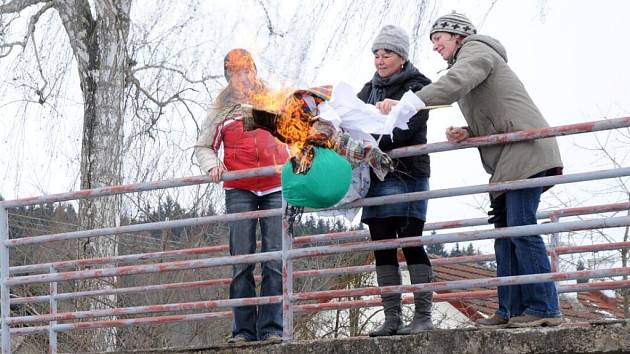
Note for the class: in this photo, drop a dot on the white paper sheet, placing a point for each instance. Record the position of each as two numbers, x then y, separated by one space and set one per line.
348 112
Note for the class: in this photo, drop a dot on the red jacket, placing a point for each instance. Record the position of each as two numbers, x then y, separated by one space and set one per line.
241 149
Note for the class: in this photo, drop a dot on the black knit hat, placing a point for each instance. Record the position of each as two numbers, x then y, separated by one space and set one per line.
453 23
238 59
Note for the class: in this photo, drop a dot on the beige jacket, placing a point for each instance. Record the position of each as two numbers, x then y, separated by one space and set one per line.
493 100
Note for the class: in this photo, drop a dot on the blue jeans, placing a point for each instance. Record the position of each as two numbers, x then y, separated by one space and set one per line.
396 184
255 322
522 256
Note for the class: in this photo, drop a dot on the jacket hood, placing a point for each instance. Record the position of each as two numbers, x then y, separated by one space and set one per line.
490 42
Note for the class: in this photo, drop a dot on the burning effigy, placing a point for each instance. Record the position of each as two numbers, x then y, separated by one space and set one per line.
329 135
319 172
298 124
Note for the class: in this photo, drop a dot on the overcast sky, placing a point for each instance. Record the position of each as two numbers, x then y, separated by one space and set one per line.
571 56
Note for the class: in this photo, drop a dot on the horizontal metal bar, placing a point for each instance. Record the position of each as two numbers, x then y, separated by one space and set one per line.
440 297
140 187
65 327
530 134
358 235
471 283
146 268
463 284
588 209
593 248
515 231
152 226
579 128
355 235
438 193
227 281
121 291
594 286
493 187
119 311
119 259
303 273
454 296
376 302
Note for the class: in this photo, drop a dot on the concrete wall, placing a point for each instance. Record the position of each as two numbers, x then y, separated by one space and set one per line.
610 337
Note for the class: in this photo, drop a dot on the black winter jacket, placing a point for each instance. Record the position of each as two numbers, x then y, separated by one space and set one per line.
416 166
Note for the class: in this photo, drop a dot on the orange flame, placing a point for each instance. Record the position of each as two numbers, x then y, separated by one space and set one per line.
294 121
294 124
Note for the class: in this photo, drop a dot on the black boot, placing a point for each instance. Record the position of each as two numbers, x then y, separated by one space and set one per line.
420 273
388 275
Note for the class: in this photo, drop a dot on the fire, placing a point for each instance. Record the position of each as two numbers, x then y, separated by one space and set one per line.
269 100
294 117
294 124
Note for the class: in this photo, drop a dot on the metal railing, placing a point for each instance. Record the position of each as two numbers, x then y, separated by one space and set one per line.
174 260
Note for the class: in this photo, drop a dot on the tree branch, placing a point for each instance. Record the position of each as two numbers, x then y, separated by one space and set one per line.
179 71
270 28
16 6
29 31
39 91
158 102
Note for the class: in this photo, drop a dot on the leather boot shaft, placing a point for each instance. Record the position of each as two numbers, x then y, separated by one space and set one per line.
423 301
389 275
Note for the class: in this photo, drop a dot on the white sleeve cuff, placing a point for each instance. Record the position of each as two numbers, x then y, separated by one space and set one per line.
413 99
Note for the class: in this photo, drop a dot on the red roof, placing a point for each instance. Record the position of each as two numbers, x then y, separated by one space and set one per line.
594 305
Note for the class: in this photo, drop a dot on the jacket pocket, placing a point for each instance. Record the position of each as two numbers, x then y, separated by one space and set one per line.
485 124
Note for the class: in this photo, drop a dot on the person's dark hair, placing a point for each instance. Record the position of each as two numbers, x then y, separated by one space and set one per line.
386 51
458 38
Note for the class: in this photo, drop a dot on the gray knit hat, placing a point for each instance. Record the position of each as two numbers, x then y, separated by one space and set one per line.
392 38
453 23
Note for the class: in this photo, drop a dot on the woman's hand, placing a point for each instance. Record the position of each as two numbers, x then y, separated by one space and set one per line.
216 173
385 106
456 134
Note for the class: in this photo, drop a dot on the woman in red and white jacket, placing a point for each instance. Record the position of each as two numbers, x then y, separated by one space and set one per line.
241 150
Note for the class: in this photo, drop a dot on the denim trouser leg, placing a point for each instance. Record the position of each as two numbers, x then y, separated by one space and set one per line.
509 296
270 316
525 255
242 241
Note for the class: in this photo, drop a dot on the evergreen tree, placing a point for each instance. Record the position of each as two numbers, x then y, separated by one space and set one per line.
470 250
436 249
456 251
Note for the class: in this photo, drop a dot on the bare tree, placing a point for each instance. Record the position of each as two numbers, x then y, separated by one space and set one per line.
98 35
97 38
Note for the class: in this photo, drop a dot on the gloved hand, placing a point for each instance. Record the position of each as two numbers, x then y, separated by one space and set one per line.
380 162
357 152
498 213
